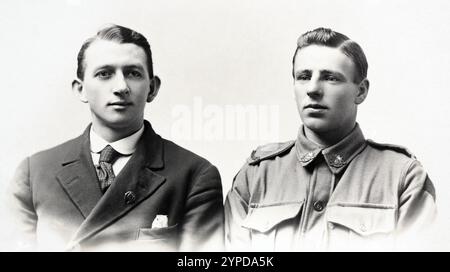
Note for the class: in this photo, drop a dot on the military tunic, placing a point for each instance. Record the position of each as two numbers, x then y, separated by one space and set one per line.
354 195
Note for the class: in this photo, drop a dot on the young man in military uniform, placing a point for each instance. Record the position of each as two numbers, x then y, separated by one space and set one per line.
330 189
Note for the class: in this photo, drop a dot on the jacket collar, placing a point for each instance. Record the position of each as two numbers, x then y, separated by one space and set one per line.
150 142
77 148
78 176
135 182
336 156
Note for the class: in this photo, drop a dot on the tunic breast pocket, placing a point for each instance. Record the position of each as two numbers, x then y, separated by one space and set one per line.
271 225
360 226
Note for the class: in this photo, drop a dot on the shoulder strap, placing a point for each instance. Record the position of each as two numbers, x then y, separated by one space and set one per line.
397 148
269 151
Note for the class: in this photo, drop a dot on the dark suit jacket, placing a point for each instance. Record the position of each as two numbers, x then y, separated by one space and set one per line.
56 202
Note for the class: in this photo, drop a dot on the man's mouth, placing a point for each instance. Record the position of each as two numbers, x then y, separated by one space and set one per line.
315 107
120 103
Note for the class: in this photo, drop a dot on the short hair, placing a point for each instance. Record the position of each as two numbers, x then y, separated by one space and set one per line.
330 38
118 34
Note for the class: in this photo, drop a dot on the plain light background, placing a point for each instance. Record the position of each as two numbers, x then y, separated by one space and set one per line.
231 52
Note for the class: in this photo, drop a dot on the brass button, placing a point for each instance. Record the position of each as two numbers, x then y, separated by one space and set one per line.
318 206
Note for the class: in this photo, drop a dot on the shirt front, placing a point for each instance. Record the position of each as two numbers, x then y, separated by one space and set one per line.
125 146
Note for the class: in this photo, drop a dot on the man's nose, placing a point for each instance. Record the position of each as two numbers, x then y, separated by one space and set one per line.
314 88
120 85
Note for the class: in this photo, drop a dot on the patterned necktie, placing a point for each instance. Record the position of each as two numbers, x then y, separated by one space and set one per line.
105 171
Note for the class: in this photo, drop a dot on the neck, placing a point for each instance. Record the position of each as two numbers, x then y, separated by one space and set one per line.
328 138
112 134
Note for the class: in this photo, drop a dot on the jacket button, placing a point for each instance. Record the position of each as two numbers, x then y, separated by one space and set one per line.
130 197
318 206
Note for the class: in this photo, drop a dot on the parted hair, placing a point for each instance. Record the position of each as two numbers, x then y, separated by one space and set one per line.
118 34
327 37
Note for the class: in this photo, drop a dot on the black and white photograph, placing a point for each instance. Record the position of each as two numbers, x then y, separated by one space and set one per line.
225 126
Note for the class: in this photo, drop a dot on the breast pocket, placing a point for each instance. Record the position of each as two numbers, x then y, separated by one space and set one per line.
271 225
157 233
360 226
157 239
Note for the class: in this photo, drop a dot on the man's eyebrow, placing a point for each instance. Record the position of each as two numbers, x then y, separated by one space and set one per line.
331 72
337 74
108 67
134 66
112 67
304 71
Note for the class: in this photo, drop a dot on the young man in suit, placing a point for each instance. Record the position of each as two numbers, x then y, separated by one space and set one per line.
330 189
119 186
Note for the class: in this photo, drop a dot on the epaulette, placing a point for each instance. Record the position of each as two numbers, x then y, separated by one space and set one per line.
393 147
269 151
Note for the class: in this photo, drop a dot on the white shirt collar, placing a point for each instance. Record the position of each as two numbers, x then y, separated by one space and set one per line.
125 146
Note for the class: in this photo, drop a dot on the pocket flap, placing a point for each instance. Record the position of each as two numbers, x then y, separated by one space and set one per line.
264 218
364 219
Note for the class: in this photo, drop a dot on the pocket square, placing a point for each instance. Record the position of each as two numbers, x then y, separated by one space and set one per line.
160 221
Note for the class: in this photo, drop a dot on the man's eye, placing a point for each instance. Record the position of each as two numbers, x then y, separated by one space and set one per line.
135 74
331 78
103 74
302 77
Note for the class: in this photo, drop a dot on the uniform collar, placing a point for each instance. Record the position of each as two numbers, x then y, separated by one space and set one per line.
336 156
125 146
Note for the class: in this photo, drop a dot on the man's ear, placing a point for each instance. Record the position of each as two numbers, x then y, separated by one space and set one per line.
363 90
77 88
155 83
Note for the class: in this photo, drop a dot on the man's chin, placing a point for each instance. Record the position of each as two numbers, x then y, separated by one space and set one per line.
120 123
317 125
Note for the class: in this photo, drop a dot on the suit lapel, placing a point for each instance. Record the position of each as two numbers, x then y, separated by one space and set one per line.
136 177
78 176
